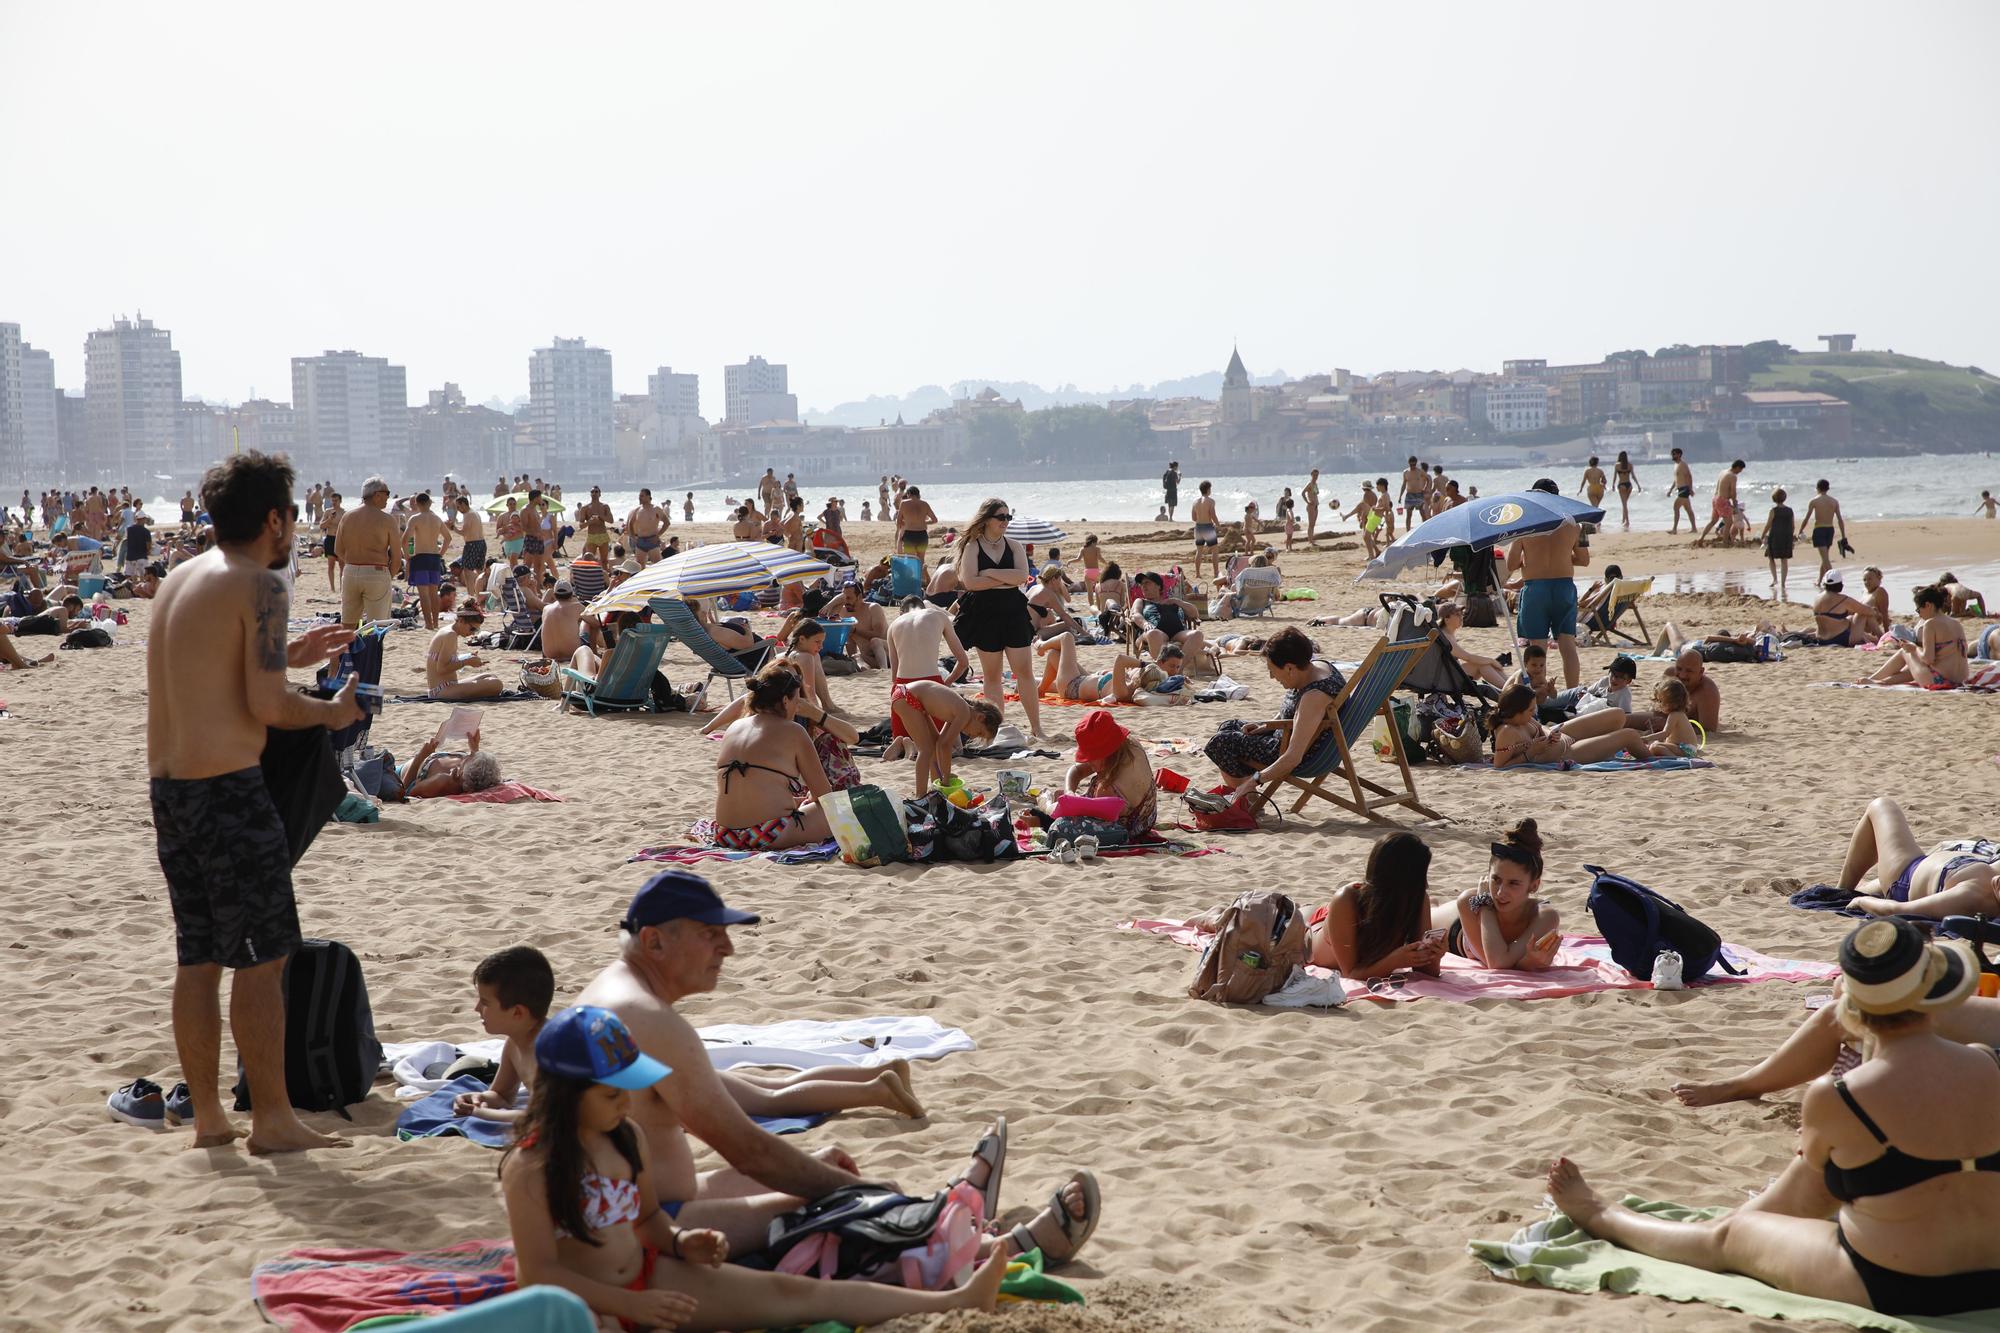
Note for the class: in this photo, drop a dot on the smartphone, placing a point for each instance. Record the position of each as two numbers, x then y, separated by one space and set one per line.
461 724
1436 937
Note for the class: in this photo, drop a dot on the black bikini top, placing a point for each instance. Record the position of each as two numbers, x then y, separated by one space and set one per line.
1895 1169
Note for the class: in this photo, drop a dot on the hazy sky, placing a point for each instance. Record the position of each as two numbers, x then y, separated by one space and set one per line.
890 195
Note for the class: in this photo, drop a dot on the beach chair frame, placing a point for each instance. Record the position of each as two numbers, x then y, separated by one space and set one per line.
1365 697
624 680
678 619
1624 596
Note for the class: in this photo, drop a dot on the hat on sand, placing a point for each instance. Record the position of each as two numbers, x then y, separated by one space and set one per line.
1890 968
586 1042
1098 737
673 895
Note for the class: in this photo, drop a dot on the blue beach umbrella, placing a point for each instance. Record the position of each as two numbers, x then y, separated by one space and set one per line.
1480 524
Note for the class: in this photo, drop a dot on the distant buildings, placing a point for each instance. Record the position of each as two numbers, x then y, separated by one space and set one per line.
571 412
450 435
28 424
132 402
1511 406
351 418
755 392
1830 418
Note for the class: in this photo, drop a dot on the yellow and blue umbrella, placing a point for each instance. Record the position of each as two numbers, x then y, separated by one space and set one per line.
720 570
520 499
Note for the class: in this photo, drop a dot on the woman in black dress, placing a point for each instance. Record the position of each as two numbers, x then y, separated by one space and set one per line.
1780 530
992 610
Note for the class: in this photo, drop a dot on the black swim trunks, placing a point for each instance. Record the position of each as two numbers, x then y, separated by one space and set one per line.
228 868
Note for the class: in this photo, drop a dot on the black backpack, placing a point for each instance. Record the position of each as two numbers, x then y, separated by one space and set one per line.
1638 923
331 1054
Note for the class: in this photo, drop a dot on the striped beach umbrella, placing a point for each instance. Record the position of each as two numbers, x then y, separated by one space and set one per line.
520 499
1034 531
712 571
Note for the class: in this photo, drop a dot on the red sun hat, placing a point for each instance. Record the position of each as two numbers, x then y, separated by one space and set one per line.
1098 737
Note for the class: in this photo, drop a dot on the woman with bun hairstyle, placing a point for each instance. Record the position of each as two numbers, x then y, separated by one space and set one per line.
1893 1200
768 777
1502 923
1381 924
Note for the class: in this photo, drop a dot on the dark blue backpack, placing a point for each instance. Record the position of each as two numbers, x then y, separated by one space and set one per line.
1638 923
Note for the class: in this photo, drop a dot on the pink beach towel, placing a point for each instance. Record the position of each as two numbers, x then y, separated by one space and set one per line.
507 793
1583 964
326 1291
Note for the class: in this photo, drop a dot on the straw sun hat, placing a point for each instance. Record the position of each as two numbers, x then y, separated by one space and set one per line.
1890 968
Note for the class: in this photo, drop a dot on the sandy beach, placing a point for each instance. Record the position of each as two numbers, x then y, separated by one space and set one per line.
1261 1169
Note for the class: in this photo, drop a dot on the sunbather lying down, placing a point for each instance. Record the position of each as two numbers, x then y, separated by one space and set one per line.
437 772
1894 876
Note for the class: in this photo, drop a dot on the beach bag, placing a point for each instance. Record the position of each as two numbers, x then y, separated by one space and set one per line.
1639 924
1070 828
331 1054
1482 612
88 637
1239 815
541 678
867 1232
982 834
1258 940
868 824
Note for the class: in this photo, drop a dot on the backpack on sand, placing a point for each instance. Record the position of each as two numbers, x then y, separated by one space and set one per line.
1259 939
331 1054
867 822
1639 924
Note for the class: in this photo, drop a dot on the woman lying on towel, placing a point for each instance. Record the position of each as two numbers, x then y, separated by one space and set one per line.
1255 753
1502 923
1519 738
432 772
1938 658
1063 675
769 778
1888 868
1893 1201
1382 924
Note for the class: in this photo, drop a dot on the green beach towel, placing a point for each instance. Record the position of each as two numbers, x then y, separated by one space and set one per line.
1025 1281
1555 1254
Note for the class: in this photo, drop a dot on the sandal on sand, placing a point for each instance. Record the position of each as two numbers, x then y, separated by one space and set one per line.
992 1150
1076 1230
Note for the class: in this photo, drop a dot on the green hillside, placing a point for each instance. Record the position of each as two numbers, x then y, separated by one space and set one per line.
1898 399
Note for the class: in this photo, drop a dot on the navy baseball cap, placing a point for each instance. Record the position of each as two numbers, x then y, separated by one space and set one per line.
673 895
586 1042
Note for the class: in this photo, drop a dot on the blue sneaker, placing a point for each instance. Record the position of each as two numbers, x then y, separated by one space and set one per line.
140 1103
180 1105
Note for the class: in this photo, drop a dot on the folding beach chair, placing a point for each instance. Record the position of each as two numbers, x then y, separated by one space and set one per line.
588 579
679 620
1256 600
524 628
1332 753
1623 596
624 681
363 656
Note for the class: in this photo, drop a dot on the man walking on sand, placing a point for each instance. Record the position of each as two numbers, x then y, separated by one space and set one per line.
365 545
215 679
1683 493
1822 515
427 537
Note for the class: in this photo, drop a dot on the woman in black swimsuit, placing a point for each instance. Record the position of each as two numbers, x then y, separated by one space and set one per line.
992 610
1893 1201
1627 481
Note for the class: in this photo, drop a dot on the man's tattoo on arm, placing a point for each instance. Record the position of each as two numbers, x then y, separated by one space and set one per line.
272 611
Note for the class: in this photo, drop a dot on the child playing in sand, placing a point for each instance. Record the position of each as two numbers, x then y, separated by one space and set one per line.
584 1214
935 716
515 988
1677 736
1502 923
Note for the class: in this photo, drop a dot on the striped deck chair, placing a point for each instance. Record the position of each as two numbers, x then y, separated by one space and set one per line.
1332 753
679 619
624 682
1623 596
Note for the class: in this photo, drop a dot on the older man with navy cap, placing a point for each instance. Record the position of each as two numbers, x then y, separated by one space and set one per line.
673 940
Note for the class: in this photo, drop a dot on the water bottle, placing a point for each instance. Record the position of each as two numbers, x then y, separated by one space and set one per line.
1667 971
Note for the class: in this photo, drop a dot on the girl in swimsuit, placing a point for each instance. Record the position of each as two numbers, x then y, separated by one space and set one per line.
1677 737
1518 738
1110 763
934 716
1887 867
586 1216
1502 923
1063 675
1381 924
770 806
1938 658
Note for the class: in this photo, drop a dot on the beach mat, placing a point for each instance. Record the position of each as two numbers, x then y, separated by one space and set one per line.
431 1117
504 697
326 1291
1582 965
507 793
1600 766
1982 680
1554 1253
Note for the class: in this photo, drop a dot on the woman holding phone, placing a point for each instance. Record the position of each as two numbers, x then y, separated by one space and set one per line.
1381 925
1502 923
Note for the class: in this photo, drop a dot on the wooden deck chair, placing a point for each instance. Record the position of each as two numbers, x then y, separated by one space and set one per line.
680 622
624 682
1331 756
1624 595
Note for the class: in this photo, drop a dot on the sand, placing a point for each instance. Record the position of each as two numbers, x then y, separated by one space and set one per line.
1261 1169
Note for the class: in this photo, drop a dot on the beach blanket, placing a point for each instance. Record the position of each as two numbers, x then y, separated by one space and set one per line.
1554 1253
431 1117
504 697
1601 766
325 1291
704 849
1582 964
1982 680
506 794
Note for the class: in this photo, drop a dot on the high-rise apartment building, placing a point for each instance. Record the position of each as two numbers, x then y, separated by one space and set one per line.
756 391
28 453
677 395
450 435
267 428
571 409
351 417
132 402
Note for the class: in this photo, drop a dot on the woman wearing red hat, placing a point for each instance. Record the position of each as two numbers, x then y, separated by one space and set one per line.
1110 763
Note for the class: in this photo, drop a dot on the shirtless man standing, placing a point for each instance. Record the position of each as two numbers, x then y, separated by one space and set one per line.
1548 595
914 640
215 679
913 523
1310 494
539 535
770 491
644 525
442 662
1683 493
1207 531
1821 517
1722 506
594 516
1416 485
471 529
365 545
329 524
427 537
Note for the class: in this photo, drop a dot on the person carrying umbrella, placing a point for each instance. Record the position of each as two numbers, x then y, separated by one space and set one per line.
1547 603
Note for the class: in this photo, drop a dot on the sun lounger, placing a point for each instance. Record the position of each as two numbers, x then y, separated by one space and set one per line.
680 622
1331 756
624 682
1602 625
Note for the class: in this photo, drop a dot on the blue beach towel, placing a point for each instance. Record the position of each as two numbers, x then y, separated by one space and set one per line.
1606 766
432 1118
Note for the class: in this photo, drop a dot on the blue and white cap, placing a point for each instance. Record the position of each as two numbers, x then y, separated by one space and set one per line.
586 1042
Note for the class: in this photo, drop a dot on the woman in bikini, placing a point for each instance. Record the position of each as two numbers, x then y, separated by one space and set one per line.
1893 1199
1502 923
1064 677
1890 871
832 737
935 716
1381 924
1938 658
769 777
1519 738
1627 481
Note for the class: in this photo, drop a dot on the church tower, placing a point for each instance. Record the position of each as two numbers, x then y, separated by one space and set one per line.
1239 400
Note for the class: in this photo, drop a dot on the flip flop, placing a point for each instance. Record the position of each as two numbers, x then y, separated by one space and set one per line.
992 1150
1076 1230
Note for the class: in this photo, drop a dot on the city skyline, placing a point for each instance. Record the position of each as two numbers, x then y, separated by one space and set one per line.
997 199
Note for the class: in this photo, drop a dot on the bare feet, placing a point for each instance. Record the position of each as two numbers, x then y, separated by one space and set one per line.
216 1138
1578 1201
1711 1094
982 1289
904 1100
292 1137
